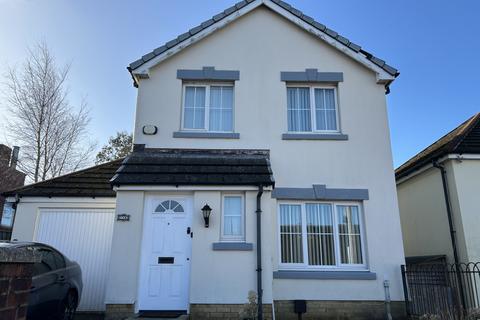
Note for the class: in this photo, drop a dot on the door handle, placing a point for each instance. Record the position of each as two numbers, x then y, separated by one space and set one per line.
188 230
61 278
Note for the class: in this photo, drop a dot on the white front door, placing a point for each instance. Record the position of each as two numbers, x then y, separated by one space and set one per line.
166 253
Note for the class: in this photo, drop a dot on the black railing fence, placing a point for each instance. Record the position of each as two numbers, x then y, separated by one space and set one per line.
451 291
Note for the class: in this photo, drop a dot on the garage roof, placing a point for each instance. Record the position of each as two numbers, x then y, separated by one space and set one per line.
195 167
90 182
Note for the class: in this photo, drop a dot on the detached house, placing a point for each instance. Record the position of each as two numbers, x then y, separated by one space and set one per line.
262 163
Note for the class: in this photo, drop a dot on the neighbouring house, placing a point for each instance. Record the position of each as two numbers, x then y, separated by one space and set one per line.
437 195
261 162
10 178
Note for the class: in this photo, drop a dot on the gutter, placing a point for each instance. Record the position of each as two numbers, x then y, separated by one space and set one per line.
259 254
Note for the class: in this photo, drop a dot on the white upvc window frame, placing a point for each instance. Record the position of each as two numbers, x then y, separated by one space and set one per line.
231 238
207 86
338 265
313 116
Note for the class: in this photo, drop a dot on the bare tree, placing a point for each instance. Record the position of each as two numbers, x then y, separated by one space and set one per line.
41 120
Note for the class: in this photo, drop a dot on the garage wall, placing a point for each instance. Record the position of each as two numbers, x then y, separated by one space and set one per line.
28 208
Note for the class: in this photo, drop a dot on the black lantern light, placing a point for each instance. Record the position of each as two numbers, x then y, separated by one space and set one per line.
206 210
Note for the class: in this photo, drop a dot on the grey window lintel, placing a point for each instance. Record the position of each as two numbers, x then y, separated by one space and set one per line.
208 73
326 275
206 135
320 192
311 75
314 136
232 246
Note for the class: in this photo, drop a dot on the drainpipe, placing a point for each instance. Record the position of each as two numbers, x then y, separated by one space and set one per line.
453 232
449 210
259 253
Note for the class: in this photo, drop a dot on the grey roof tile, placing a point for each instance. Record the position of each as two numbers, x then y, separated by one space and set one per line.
377 61
230 10
319 26
331 33
195 30
207 23
148 56
218 17
160 50
354 46
241 4
296 12
390 69
171 43
343 40
282 4
308 19
136 63
183 36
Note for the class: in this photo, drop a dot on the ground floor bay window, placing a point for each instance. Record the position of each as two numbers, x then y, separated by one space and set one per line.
321 236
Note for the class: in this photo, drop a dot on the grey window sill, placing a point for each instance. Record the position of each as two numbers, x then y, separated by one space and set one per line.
232 246
314 136
206 135
326 275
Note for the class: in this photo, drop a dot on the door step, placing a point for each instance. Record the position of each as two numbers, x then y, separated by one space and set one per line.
153 315
181 317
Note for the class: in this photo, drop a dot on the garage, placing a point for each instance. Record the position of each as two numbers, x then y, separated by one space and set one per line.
75 214
85 236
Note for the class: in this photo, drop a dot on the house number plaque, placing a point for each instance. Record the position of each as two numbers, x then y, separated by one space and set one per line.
123 217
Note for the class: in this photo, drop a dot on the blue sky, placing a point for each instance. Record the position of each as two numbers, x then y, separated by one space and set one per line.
434 43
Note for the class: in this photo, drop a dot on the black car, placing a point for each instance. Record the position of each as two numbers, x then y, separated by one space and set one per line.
56 283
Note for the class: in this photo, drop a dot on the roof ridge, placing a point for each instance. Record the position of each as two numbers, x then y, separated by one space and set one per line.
239 5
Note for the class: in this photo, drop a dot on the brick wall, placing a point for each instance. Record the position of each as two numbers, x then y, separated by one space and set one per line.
15 282
223 311
330 310
10 178
16 267
119 311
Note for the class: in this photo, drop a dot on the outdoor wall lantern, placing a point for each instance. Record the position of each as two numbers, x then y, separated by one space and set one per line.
206 210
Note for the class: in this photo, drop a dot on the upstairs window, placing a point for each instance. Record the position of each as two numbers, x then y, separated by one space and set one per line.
312 109
208 108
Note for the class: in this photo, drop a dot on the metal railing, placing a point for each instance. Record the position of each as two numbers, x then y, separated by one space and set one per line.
442 289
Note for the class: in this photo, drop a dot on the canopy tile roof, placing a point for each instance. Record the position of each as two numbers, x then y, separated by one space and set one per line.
195 167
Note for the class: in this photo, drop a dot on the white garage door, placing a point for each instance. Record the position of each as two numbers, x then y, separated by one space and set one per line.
85 236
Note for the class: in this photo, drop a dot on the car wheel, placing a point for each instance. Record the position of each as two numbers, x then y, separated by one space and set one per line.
70 306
